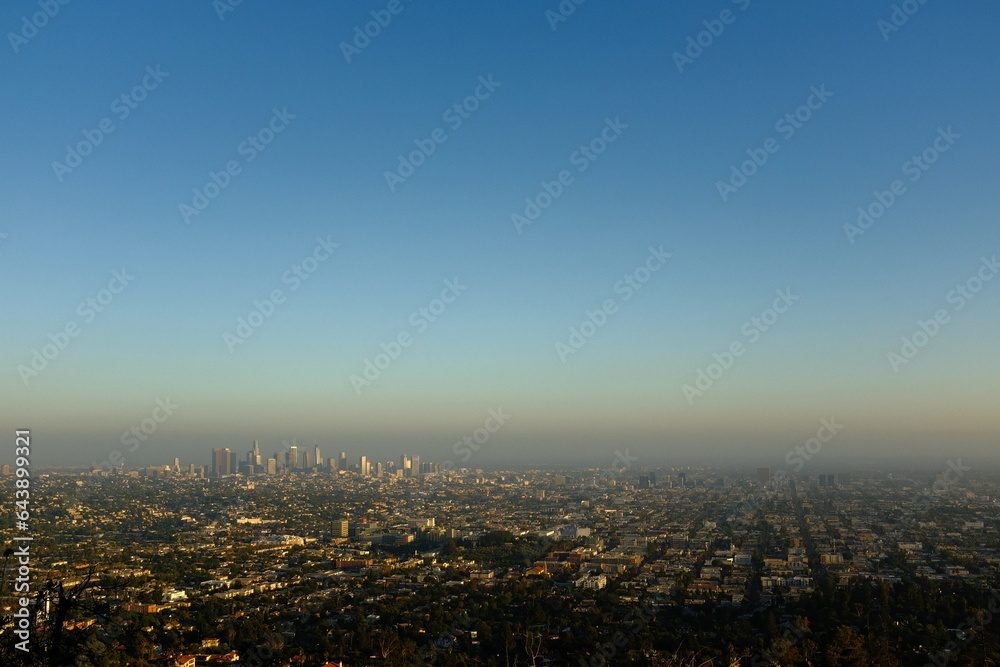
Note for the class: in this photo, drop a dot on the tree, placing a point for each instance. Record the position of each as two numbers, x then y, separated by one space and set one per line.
533 644
846 649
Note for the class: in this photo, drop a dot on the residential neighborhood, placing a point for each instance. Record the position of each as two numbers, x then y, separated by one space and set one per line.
505 567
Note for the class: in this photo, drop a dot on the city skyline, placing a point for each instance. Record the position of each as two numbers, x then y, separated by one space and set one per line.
801 463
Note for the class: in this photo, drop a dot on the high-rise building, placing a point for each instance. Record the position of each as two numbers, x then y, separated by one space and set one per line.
220 462
415 466
257 459
341 528
364 466
233 462
343 461
317 456
272 466
177 464
293 457
331 463
764 475
307 460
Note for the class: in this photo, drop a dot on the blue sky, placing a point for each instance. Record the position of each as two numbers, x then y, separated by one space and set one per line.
323 176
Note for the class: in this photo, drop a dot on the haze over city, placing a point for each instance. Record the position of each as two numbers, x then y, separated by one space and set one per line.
556 332
552 217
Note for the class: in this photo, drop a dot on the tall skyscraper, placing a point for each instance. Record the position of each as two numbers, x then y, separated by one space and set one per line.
317 457
220 462
828 480
332 464
343 461
256 454
293 457
415 466
272 466
364 467
764 475
307 460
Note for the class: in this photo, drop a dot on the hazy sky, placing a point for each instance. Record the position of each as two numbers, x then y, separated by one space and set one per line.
240 135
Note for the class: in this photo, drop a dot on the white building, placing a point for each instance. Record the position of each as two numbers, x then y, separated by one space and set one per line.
595 582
